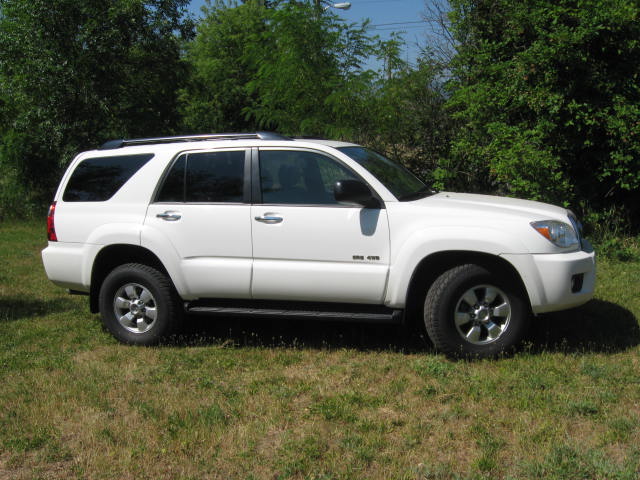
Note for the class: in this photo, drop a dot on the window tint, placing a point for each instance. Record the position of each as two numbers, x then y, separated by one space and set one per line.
205 178
215 177
402 183
173 188
98 179
298 177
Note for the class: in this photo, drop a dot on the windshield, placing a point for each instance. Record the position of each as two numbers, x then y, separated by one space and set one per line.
401 182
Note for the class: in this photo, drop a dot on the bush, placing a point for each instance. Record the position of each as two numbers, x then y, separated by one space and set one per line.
548 99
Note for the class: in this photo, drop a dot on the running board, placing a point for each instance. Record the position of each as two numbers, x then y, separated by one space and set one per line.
385 315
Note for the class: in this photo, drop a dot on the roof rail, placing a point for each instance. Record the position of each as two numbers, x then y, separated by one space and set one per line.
309 137
113 144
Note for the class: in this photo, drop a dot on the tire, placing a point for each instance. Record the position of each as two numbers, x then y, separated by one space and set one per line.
470 312
139 304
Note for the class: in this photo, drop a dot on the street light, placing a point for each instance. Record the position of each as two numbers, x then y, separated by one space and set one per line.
328 5
339 6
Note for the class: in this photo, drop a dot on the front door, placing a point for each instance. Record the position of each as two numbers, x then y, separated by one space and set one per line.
307 246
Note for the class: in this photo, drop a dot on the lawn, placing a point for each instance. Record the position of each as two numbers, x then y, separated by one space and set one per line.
281 399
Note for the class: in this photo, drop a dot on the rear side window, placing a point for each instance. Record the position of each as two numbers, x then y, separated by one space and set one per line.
98 179
208 177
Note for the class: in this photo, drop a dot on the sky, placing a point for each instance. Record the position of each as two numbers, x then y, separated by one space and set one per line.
402 14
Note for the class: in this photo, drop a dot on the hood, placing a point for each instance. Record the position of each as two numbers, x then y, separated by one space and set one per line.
491 224
497 205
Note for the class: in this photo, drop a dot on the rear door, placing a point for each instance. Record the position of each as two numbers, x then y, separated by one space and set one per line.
202 210
307 246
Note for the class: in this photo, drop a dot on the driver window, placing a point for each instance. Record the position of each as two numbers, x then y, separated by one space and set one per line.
299 177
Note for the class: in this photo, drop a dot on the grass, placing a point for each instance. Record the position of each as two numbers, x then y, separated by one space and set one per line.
279 399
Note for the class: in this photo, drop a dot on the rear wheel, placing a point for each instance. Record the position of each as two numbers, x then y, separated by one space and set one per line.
139 305
471 312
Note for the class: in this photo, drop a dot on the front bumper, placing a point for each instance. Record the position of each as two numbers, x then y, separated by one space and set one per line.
556 281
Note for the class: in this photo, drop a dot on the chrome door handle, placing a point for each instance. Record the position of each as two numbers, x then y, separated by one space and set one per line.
269 218
169 216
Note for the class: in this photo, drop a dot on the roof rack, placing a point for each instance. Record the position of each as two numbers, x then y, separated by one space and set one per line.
113 144
309 137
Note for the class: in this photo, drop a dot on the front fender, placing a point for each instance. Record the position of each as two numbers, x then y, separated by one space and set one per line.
407 255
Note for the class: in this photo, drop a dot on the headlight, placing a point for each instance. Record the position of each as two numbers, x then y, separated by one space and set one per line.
577 226
560 234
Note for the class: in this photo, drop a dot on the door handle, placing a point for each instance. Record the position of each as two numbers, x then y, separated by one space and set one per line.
269 218
169 216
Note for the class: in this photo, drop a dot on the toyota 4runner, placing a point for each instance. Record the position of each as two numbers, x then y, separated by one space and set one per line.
262 224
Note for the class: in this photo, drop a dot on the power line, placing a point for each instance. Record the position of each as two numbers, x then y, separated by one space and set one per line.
396 29
396 23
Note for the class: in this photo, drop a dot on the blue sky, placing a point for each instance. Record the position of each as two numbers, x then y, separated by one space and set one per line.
380 13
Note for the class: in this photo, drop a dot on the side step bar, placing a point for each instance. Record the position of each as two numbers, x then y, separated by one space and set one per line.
388 316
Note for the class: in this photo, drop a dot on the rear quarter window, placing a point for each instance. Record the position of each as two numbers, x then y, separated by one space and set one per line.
98 179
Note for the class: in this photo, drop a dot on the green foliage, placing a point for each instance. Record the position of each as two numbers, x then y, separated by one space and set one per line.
548 99
216 94
305 62
608 229
292 68
405 116
76 73
15 199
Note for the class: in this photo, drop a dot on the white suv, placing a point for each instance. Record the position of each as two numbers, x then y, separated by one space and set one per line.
262 224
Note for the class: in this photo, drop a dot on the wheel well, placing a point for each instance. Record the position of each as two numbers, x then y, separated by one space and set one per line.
112 256
434 265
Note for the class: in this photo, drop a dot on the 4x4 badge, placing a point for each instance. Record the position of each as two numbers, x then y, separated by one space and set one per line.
369 257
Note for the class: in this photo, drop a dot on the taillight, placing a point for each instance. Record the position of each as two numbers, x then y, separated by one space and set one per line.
51 227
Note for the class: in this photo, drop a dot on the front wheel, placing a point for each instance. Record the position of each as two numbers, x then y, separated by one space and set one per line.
139 305
471 312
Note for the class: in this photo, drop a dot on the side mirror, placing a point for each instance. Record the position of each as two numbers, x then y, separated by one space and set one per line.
354 192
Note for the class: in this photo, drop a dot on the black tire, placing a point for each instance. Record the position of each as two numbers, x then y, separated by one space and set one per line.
494 324
139 304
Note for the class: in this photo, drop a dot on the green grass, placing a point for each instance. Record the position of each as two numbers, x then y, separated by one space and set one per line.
279 399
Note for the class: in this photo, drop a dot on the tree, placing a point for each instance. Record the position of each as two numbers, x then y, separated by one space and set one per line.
216 95
287 68
73 74
308 68
405 115
548 97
